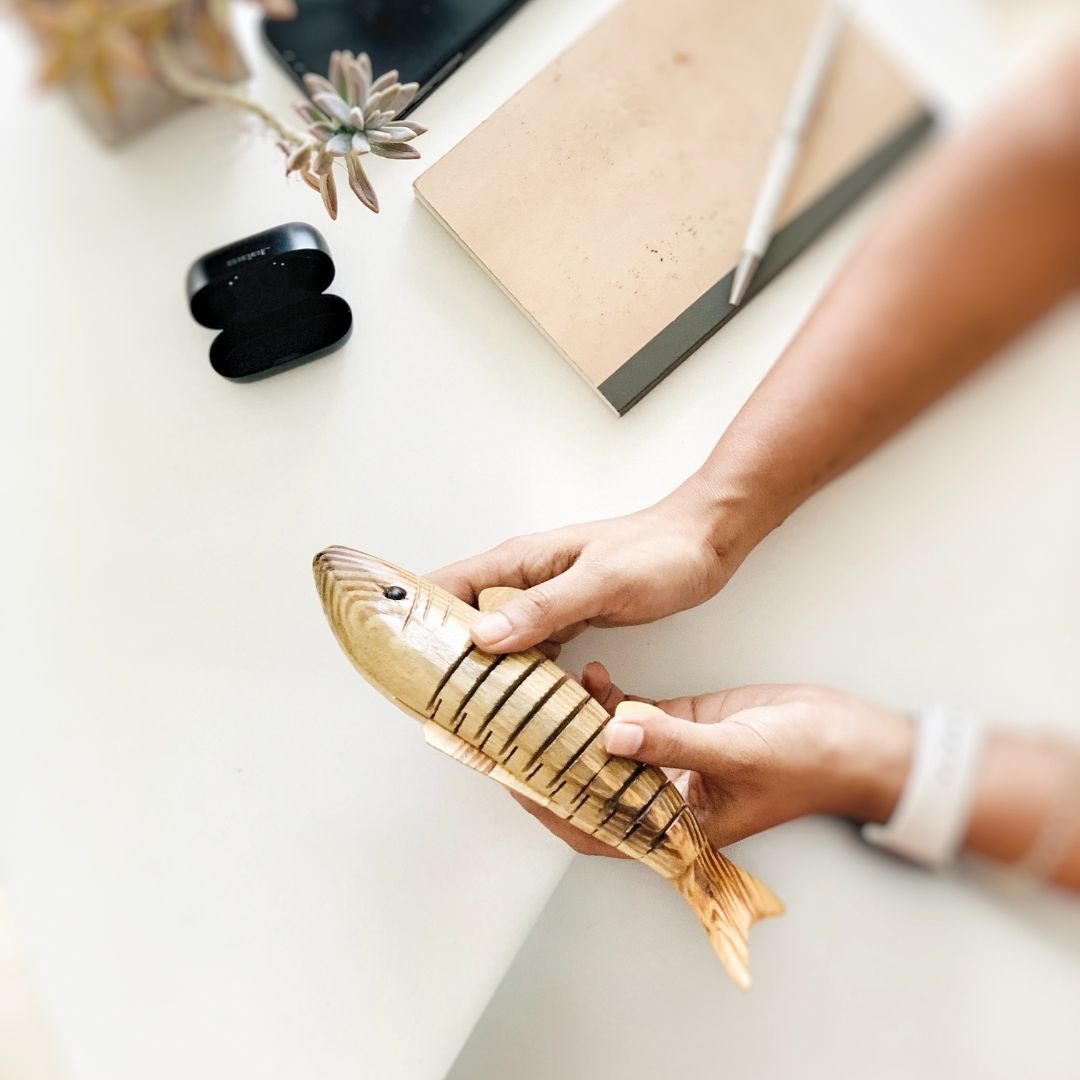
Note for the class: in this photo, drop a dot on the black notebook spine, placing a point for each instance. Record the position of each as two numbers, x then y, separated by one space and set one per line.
665 352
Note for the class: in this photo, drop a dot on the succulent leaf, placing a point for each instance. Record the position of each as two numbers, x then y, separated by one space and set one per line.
333 106
328 190
340 145
316 84
392 133
383 82
337 73
298 159
309 113
358 84
361 186
322 161
398 151
405 96
380 102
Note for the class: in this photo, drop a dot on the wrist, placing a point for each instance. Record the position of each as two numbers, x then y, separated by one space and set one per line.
730 516
871 763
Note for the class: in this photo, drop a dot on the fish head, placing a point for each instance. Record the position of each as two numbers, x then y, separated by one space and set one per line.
401 632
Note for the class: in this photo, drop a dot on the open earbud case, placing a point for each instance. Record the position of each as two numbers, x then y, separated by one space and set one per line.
266 295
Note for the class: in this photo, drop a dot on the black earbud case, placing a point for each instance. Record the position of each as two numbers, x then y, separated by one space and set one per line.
266 295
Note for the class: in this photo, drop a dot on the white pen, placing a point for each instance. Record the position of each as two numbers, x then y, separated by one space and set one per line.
785 151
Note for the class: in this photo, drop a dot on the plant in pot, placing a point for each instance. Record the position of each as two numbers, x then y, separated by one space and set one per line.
131 62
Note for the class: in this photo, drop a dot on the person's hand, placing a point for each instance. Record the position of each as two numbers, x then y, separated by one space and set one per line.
755 756
617 572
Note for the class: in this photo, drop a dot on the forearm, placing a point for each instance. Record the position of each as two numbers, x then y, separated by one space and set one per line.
982 241
1029 794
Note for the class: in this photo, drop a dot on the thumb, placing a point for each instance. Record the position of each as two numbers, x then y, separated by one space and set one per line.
539 613
642 731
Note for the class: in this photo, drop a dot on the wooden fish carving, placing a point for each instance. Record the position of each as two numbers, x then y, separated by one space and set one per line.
523 721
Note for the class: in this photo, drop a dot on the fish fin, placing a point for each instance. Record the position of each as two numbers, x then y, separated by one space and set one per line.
728 900
495 597
512 783
457 748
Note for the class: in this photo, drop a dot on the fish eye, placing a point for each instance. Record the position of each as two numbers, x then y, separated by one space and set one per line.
394 592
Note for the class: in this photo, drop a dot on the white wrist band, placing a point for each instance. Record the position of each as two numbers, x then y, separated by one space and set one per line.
932 812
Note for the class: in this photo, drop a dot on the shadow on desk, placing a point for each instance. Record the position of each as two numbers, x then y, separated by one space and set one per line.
877 969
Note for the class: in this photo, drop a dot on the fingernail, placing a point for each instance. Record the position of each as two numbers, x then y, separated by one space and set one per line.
492 628
623 739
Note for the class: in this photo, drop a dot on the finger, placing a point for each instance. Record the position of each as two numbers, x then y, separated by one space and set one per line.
597 683
517 563
470 577
644 732
578 840
539 613
549 648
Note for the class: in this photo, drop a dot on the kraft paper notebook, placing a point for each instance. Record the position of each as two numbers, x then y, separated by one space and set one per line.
610 196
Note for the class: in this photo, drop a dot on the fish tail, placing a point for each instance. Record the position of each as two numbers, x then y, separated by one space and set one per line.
728 901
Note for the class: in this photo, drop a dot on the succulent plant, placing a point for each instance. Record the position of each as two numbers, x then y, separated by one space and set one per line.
97 40
350 114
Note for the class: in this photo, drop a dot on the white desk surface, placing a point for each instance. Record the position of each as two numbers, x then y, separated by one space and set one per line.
203 807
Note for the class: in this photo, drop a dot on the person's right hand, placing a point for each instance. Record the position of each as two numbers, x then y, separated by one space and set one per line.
752 757
617 572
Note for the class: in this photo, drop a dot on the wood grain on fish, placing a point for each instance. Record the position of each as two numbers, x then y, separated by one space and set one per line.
521 720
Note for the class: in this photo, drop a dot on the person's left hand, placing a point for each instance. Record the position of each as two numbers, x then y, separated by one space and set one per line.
755 756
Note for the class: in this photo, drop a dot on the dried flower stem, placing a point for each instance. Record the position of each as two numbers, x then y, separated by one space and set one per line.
177 77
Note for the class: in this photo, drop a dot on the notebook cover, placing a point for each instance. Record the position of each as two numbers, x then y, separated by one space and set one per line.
610 196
